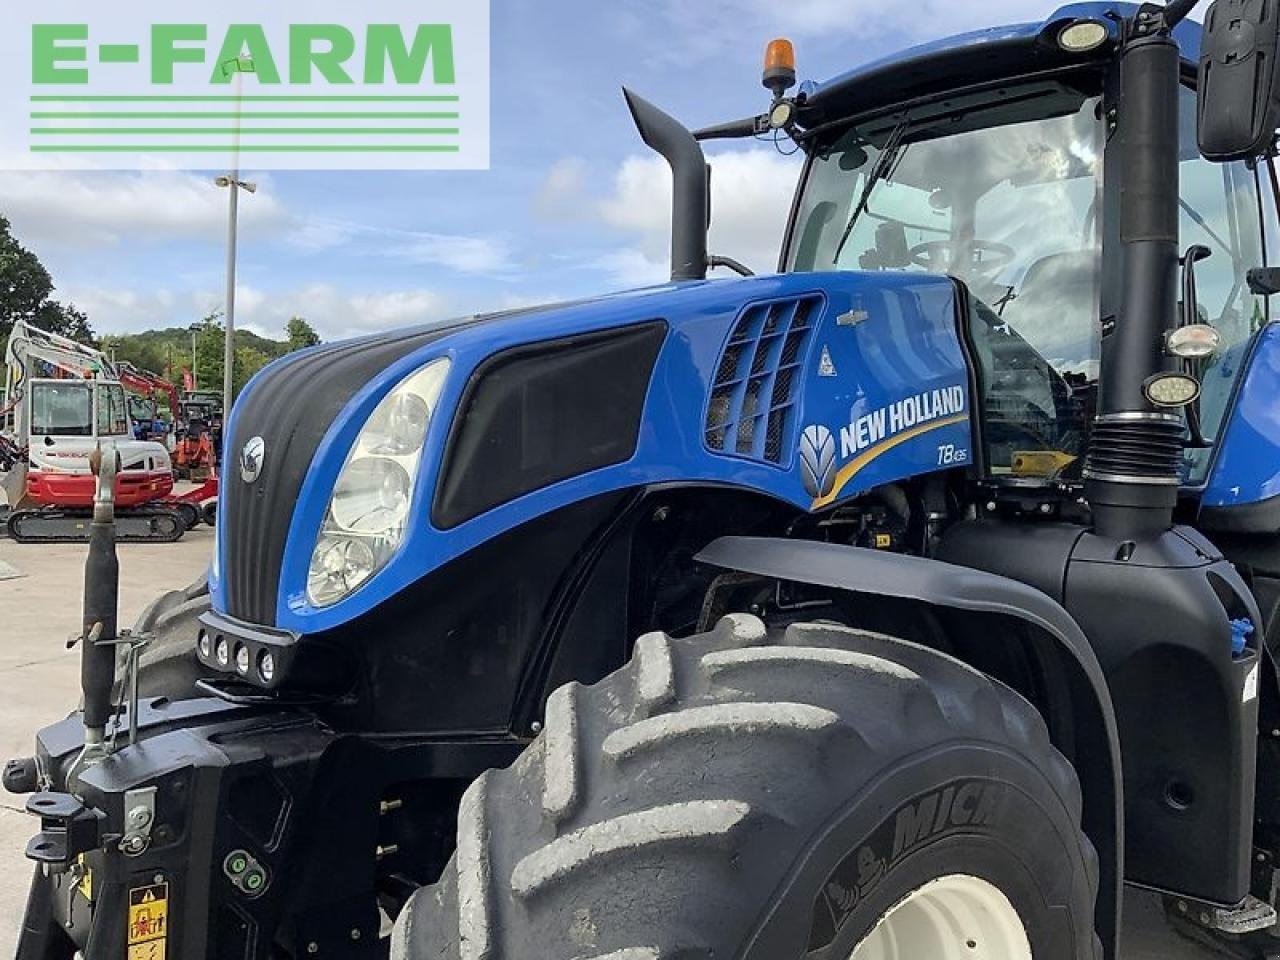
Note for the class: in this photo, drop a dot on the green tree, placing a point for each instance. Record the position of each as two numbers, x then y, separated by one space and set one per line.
209 345
252 353
248 361
301 334
25 286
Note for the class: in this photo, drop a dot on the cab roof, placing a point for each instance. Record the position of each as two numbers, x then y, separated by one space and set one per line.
967 58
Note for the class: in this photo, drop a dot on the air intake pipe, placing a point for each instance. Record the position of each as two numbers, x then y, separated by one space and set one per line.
1131 472
690 201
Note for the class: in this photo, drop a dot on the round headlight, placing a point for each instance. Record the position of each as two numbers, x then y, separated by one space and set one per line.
203 645
372 496
242 659
1082 36
398 427
266 666
338 566
222 652
1171 389
1195 341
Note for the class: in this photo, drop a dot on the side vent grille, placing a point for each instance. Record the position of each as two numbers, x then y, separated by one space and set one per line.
752 411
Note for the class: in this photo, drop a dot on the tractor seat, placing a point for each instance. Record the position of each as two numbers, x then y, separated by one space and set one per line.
1056 305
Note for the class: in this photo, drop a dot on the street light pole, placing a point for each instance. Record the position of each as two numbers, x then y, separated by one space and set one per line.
237 66
228 347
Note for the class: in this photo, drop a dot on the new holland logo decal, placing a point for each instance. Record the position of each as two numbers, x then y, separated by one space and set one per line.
870 435
817 460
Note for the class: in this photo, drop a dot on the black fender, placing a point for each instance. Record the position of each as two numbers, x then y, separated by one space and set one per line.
983 609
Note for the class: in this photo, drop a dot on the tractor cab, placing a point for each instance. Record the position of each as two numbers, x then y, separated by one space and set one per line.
1004 186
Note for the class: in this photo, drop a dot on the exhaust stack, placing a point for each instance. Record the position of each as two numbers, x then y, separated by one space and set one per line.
690 201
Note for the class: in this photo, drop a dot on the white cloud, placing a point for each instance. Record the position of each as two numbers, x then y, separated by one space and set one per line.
462 253
562 188
334 313
127 311
751 194
465 254
62 210
72 210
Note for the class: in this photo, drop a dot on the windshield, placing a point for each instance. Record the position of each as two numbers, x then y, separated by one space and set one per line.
1005 196
61 409
1009 209
141 408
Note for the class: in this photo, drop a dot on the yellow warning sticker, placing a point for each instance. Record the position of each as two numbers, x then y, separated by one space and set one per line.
148 921
85 886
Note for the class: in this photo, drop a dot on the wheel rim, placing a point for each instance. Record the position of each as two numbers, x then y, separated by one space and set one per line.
955 917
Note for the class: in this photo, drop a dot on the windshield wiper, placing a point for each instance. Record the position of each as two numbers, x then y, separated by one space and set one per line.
884 164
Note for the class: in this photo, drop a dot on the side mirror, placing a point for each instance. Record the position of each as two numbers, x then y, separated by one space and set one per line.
1238 104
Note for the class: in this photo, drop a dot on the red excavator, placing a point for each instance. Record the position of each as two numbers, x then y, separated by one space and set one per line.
62 400
185 433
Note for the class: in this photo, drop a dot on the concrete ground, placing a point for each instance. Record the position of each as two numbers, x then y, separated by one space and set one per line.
39 683
40 677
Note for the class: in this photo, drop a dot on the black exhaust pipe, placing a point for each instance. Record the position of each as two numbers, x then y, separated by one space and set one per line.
1131 472
690 201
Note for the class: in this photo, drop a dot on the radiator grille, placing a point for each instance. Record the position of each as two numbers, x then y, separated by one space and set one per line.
752 409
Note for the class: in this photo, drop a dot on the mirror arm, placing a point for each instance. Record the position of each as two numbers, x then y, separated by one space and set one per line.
1175 11
729 263
1194 253
1190 314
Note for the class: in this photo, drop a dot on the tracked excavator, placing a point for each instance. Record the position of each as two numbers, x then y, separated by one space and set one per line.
62 399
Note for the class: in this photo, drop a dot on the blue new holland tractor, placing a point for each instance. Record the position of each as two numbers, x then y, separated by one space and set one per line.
914 601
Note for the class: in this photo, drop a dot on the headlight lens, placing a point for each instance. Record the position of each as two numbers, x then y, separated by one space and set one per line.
398 426
369 508
372 496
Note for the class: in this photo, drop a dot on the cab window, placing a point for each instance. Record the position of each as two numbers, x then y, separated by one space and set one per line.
1218 210
1009 203
1004 198
113 417
62 409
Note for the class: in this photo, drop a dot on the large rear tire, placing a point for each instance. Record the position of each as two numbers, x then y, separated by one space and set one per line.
823 792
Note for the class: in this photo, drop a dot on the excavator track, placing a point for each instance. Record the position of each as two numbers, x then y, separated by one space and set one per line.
56 525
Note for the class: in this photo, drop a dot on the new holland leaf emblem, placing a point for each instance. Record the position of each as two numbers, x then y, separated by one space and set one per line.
817 460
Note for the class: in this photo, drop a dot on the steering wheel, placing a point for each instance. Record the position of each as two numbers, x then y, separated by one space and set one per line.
939 256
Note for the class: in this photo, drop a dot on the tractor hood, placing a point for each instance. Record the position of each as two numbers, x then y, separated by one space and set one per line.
807 388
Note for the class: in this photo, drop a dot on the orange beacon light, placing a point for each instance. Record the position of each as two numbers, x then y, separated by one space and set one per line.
779 66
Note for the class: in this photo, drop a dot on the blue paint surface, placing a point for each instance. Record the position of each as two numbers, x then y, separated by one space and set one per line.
883 350
883 394
1247 466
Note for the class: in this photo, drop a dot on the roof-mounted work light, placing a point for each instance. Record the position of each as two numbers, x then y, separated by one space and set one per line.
1081 36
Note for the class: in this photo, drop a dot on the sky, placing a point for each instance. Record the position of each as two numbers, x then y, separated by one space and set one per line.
573 204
